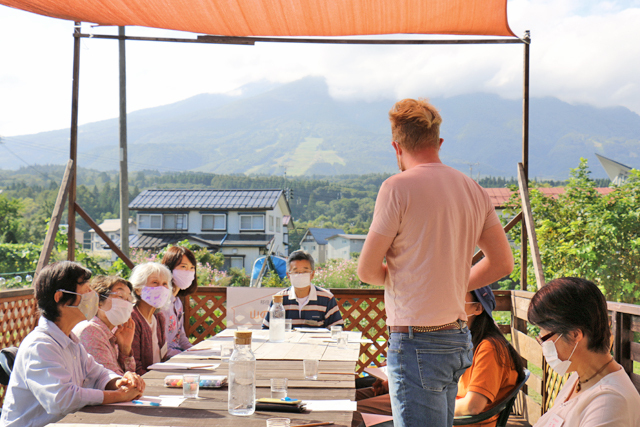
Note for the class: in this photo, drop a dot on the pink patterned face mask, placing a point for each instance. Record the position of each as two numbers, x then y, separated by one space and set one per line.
155 296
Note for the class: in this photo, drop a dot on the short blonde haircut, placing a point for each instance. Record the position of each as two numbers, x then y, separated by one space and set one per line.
415 124
141 273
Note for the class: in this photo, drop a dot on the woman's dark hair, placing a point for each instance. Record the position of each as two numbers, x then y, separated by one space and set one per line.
173 257
65 275
568 304
103 285
483 328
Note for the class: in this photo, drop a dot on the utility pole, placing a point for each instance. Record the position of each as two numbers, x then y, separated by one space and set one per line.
124 173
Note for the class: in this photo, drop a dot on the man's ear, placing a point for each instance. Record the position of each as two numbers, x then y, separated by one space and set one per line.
313 272
396 147
441 141
57 296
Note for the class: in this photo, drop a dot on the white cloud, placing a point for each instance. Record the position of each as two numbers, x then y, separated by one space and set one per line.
582 51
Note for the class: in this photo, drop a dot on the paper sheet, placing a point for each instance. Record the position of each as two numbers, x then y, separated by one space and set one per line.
330 405
373 419
163 401
380 372
312 330
172 366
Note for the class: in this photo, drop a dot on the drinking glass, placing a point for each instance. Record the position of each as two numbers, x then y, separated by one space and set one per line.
278 388
278 422
287 325
342 341
335 332
190 385
310 369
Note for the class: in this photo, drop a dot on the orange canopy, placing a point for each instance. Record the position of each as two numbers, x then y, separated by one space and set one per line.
286 17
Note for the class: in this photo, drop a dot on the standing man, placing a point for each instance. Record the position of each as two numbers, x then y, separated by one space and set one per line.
428 219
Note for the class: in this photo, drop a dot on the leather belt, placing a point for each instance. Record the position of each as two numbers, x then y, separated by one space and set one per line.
458 324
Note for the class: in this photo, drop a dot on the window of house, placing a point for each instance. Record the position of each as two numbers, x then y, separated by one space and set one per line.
233 262
313 248
174 221
251 222
344 240
150 221
278 223
214 222
270 222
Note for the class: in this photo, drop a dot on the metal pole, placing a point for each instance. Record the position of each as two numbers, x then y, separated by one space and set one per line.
73 151
525 157
124 174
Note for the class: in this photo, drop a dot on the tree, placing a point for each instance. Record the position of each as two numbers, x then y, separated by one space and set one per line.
10 216
585 234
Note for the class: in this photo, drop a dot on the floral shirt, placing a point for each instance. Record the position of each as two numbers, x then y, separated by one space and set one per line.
176 336
99 342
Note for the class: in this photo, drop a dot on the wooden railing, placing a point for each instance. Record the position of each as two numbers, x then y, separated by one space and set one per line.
363 310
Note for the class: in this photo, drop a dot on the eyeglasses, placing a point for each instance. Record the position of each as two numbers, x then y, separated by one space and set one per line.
542 339
121 295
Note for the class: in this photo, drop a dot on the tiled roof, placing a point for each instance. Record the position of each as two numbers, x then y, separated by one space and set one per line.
206 199
350 236
153 241
321 234
500 196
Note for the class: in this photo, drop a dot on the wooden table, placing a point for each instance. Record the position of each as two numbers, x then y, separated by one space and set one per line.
273 360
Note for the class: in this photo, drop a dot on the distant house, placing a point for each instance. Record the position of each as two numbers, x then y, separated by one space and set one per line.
341 246
315 242
242 224
111 228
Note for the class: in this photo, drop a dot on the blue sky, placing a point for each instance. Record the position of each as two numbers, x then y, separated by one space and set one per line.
582 52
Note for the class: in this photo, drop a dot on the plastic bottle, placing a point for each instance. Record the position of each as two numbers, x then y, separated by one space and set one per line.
242 376
276 320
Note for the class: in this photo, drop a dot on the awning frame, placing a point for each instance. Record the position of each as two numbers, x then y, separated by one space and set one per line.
250 41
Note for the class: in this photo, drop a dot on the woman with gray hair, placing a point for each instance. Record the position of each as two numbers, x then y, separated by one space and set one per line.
151 287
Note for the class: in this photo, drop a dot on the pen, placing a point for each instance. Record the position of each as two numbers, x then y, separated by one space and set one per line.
329 423
339 373
140 402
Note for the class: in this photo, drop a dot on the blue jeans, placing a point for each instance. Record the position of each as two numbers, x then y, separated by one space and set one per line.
424 368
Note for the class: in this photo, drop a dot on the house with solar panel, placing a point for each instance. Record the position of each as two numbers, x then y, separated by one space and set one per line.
242 224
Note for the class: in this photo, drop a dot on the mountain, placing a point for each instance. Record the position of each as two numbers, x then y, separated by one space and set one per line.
298 126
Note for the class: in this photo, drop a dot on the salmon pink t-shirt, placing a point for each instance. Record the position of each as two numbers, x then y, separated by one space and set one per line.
436 215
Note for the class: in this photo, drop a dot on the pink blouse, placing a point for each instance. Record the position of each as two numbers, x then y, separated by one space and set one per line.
99 342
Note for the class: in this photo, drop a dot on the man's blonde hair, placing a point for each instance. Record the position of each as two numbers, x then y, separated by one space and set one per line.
415 124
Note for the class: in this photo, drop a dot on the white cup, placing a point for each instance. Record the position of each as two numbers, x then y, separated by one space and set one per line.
310 369
287 325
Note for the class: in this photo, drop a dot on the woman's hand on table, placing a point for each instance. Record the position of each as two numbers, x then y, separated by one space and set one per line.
125 389
131 380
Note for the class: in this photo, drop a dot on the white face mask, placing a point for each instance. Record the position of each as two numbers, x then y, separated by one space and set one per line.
120 311
301 280
183 278
88 304
155 296
551 355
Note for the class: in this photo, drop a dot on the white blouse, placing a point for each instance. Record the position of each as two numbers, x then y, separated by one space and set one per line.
612 401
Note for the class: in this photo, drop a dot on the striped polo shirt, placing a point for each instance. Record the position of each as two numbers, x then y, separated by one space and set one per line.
321 310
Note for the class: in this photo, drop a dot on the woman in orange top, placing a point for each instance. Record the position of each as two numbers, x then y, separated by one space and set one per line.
495 371
497 366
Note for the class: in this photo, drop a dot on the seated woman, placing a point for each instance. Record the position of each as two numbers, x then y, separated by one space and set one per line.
182 264
108 336
575 337
495 371
53 375
151 283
